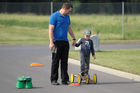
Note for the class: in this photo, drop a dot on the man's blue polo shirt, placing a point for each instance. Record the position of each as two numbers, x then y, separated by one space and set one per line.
61 24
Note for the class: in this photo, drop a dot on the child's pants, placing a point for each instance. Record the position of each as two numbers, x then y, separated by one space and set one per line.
85 60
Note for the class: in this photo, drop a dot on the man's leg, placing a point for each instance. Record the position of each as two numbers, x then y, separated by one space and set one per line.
64 63
55 64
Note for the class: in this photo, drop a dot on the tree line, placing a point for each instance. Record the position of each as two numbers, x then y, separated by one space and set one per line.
81 1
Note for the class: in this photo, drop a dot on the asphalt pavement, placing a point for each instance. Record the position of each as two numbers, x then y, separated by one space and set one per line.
15 61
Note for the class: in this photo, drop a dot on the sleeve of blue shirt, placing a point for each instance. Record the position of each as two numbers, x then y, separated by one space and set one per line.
52 19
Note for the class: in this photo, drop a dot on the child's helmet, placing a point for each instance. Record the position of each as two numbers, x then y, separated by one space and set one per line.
87 32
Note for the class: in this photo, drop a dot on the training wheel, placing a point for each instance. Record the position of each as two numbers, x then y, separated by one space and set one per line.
72 78
79 78
95 79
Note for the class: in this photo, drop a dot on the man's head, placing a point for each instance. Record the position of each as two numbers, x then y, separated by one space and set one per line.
87 33
67 7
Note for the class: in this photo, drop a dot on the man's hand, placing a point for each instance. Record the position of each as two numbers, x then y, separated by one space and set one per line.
94 57
74 42
51 46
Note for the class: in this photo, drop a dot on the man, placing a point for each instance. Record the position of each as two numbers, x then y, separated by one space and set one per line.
59 26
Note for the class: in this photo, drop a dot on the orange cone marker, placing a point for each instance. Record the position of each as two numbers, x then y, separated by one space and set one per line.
36 65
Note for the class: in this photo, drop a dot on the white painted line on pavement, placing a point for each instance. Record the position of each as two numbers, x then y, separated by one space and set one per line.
108 70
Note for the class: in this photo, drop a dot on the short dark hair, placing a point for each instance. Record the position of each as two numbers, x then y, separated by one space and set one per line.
67 5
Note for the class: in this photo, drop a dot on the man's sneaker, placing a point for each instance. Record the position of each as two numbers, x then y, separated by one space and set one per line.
55 83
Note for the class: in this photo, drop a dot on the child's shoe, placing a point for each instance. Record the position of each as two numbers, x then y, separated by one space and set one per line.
82 73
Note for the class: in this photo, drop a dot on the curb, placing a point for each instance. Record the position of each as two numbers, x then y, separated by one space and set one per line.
108 70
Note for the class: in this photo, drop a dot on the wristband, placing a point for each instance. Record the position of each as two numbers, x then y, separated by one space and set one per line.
73 39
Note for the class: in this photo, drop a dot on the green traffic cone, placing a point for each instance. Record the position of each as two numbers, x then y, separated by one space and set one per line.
20 82
28 83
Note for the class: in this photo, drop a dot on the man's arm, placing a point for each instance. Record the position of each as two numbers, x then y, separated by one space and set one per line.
51 28
72 35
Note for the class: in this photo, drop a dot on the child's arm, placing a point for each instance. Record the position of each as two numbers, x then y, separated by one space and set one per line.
92 50
78 43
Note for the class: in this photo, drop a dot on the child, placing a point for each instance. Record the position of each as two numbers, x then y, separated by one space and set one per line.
86 47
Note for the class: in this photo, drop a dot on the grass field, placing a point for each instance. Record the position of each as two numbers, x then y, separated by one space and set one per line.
124 60
23 29
109 27
29 28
